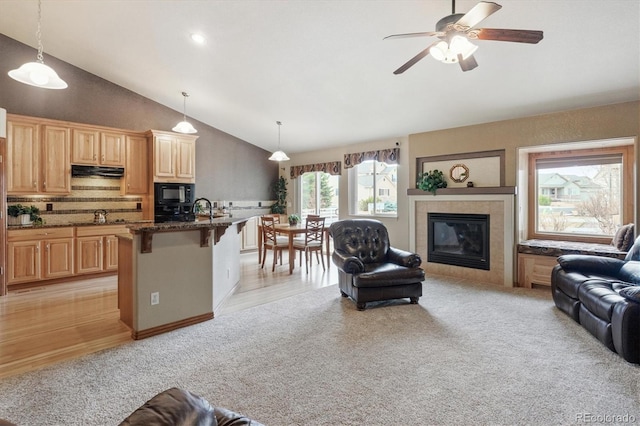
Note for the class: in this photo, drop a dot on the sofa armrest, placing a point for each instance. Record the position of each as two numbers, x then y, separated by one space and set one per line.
348 263
590 264
403 258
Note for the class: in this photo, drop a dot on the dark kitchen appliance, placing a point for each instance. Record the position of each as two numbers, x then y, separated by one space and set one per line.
174 202
101 171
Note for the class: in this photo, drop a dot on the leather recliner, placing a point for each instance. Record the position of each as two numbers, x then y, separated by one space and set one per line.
603 295
178 407
369 269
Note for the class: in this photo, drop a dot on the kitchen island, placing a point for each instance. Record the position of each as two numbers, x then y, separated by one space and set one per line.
175 274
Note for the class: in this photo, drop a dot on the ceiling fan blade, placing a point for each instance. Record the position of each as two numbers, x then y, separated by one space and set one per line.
411 62
424 34
517 36
478 13
467 64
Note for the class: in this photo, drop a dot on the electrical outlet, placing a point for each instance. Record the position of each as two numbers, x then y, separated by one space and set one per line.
138 206
49 207
155 298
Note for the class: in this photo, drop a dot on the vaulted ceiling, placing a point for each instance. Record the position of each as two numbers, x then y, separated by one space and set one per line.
321 67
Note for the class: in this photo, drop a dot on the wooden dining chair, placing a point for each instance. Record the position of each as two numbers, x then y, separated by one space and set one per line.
312 241
271 241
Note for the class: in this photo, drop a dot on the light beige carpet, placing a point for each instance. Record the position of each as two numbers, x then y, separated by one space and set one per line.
466 354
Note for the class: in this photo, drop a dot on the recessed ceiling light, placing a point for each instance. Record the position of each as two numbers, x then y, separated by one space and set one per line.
198 38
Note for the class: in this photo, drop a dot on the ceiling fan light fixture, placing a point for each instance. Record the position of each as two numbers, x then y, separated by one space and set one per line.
184 126
462 46
279 155
439 51
37 73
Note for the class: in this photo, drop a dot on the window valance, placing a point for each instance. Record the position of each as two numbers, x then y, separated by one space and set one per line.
333 168
388 156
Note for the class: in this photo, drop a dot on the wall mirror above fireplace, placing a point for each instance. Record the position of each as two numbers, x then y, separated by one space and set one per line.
459 173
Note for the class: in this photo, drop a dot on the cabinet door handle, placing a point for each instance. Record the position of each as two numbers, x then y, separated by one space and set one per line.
34 184
47 247
103 158
95 157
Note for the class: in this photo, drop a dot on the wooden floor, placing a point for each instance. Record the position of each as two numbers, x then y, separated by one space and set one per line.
48 324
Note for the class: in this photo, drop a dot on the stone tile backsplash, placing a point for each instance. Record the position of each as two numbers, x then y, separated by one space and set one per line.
92 193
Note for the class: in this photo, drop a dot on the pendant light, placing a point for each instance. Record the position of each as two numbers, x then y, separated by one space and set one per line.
279 155
37 73
184 126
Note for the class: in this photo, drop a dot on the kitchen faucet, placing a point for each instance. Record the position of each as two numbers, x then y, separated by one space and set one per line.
208 203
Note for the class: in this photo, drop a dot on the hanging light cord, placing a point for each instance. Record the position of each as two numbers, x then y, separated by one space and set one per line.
184 106
279 124
38 34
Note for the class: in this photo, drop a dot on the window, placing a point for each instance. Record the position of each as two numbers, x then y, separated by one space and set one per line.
319 195
374 189
581 195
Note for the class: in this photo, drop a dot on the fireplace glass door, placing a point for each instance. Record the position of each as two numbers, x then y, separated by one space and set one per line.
458 239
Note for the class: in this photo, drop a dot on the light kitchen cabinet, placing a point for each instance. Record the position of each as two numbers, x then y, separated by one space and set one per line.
174 157
38 158
250 235
136 179
97 248
38 254
95 147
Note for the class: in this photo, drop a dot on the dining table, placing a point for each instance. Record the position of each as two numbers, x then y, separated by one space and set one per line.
292 231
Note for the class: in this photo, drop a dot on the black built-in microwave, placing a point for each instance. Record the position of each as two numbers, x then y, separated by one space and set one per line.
174 202
174 193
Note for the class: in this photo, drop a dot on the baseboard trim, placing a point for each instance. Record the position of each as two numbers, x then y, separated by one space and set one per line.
143 334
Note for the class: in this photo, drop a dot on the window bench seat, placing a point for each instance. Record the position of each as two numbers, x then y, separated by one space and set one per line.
536 258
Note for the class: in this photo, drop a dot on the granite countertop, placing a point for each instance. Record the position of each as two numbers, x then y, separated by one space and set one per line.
77 224
184 226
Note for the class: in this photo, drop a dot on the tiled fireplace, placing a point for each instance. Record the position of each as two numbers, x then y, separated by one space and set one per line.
496 203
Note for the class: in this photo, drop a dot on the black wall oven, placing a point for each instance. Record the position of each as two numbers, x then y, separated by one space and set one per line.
174 202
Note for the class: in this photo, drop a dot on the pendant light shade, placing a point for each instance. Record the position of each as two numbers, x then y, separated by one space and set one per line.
37 73
279 155
184 126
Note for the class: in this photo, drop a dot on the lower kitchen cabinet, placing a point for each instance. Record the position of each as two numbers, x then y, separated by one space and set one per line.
89 255
39 254
250 235
97 248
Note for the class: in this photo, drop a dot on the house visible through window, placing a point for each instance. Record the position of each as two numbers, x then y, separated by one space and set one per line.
374 188
579 195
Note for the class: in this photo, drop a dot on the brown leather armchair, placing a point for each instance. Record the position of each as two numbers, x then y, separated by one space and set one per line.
369 269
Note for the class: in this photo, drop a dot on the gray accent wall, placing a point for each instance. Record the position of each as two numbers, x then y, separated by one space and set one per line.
220 173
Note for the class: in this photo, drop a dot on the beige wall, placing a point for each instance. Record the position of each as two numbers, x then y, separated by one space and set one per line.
604 122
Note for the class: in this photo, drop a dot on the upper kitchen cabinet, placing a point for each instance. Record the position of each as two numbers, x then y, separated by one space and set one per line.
38 157
95 147
174 157
136 177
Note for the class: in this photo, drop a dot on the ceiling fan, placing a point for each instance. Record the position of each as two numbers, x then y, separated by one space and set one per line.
455 31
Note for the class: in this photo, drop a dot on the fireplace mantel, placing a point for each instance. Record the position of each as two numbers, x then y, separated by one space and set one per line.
466 191
498 202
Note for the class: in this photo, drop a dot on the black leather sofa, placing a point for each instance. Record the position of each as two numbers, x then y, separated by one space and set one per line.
178 407
369 269
603 295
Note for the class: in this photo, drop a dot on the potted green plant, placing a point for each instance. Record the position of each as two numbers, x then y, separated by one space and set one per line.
280 189
23 215
431 181
293 219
